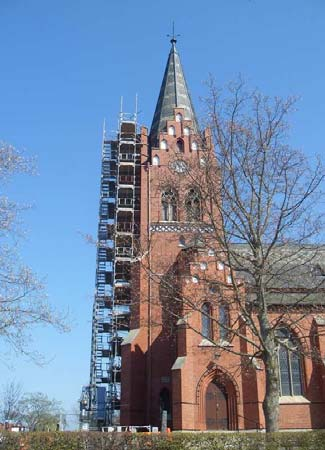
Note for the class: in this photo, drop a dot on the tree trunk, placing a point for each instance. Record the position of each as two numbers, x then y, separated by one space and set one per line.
271 364
271 399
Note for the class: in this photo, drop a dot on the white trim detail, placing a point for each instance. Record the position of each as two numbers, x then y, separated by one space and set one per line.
290 399
179 363
129 338
206 343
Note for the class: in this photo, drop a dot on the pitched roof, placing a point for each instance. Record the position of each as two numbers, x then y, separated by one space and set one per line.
295 274
173 94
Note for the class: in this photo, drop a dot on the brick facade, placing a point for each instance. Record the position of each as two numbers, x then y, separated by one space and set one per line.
163 355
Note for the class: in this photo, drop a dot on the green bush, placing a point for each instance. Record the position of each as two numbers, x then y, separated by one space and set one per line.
311 440
9 441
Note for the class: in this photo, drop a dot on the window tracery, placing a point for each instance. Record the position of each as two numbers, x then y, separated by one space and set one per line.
169 206
289 363
206 322
193 206
223 322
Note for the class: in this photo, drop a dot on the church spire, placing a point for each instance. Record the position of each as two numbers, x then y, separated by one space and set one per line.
173 94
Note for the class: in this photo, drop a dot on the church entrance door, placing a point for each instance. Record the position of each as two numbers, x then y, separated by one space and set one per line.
216 407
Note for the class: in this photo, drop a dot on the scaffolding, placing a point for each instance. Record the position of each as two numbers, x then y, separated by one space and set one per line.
118 229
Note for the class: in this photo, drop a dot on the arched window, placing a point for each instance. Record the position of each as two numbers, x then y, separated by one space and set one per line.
180 146
206 323
187 131
194 145
171 130
179 117
163 144
169 206
223 322
289 363
193 206
155 160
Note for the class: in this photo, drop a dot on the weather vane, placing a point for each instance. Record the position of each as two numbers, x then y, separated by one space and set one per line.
173 36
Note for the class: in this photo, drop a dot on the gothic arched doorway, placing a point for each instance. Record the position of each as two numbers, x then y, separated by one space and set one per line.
216 407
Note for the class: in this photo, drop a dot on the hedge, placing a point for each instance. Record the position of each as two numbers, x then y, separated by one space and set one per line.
310 440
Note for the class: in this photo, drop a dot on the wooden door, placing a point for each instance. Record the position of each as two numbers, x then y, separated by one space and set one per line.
216 407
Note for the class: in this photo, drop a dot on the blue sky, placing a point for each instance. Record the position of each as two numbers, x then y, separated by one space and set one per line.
65 65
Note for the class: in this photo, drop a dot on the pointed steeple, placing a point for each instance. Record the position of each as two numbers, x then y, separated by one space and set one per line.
173 94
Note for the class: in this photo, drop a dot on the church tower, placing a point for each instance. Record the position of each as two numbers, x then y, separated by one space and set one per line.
149 351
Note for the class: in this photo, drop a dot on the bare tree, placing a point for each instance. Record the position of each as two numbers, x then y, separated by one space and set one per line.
11 396
23 302
255 205
39 413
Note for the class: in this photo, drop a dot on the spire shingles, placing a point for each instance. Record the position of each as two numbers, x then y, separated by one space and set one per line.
173 94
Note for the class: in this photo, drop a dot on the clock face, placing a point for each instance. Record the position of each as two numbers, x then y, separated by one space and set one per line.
178 166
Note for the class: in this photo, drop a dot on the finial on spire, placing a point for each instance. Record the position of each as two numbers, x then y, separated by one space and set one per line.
173 36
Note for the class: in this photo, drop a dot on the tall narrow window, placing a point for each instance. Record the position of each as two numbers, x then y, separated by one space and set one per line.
179 117
223 322
180 146
171 130
163 144
193 206
169 206
206 322
187 131
289 364
155 160
165 404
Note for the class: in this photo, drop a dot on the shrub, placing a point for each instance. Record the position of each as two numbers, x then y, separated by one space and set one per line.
312 440
9 441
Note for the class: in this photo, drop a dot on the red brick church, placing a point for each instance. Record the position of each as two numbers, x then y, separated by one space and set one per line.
170 361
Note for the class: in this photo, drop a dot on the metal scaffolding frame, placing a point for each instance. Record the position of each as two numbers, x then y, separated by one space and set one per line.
118 227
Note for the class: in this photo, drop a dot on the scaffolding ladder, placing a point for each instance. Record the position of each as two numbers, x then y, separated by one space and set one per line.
126 231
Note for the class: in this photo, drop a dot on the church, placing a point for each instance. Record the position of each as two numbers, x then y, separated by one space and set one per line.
160 360
169 363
